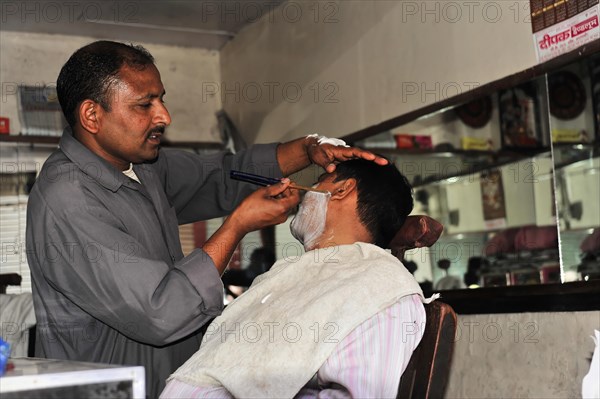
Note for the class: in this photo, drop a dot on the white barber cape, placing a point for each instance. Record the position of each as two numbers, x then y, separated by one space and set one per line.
271 340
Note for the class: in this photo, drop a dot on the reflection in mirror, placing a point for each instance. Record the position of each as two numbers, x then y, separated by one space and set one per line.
574 94
499 227
484 170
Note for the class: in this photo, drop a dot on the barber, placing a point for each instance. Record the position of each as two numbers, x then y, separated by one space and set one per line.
110 282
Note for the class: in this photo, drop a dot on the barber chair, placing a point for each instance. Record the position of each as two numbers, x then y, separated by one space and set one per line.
427 372
417 231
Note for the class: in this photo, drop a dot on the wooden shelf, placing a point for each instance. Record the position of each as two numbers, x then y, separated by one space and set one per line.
595 144
421 151
196 145
494 159
7 138
506 152
19 138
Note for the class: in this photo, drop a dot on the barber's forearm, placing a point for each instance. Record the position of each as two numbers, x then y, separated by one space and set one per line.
293 155
221 245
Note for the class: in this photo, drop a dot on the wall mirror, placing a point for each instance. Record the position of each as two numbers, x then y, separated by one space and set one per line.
513 174
574 94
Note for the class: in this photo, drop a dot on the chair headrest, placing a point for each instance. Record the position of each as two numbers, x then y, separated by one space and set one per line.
417 231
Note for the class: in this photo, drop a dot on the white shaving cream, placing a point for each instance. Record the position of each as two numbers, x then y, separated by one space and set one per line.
309 223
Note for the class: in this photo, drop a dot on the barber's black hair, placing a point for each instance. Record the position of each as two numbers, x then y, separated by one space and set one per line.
92 70
384 197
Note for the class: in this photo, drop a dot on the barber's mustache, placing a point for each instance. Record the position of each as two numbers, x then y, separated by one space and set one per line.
158 129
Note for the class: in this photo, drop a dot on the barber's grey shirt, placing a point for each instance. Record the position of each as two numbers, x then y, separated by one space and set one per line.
110 282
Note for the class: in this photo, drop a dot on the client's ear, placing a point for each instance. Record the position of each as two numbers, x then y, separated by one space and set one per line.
343 189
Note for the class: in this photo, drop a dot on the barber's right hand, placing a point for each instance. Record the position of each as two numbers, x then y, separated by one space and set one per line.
265 207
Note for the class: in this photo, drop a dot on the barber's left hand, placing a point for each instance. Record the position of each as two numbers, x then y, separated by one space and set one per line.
328 156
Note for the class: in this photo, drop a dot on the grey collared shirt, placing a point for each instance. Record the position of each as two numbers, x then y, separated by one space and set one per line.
110 282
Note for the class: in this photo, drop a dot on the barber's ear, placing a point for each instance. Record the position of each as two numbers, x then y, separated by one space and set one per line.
89 114
343 188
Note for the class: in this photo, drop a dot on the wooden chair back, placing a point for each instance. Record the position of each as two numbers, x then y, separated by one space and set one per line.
427 372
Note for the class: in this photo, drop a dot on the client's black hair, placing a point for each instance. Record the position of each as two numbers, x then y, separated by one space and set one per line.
384 197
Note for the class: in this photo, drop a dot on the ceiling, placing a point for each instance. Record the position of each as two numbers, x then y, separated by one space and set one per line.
202 23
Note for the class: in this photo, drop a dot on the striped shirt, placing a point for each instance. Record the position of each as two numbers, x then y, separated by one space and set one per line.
367 363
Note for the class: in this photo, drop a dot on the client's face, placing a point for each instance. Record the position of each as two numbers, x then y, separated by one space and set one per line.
309 223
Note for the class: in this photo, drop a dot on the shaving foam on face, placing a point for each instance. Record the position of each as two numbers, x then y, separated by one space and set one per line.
309 223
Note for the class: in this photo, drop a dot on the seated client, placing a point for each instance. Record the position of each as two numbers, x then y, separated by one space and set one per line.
346 311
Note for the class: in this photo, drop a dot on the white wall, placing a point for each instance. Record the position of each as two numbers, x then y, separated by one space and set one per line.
522 355
36 59
359 63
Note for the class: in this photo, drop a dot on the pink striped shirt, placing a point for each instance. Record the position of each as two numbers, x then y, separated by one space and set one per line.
367 363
